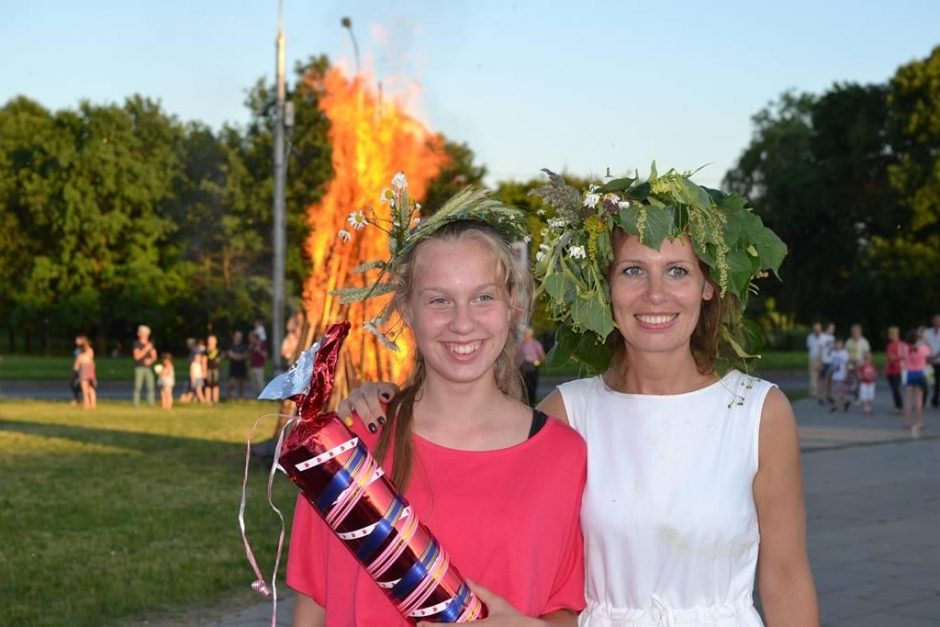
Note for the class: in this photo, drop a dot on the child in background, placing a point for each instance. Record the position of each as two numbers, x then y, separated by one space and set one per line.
167 380
867 375
839 373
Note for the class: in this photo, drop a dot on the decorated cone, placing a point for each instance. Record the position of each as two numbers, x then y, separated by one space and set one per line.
347 487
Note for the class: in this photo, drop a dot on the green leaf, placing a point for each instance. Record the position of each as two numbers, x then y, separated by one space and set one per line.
592 315
638 192
556 286
627 220
659 226
616 185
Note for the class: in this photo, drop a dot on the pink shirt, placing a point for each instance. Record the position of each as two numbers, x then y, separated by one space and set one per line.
915 357
509 519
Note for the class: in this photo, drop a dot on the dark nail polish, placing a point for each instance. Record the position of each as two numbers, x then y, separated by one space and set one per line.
381 420
372 428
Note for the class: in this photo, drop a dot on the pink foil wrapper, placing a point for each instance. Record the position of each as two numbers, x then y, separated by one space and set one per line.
348 489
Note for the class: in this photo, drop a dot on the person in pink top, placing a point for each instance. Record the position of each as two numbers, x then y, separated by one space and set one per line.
893 367
498 483
914 355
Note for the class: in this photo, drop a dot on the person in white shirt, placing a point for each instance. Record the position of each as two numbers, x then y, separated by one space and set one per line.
932 335
839 377
814 344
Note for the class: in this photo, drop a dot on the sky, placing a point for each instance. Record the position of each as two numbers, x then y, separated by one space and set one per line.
577 86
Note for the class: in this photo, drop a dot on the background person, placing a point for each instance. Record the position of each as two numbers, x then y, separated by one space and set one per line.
867 377
257 357
915 354
815 343
932 338
145 354
87 379
237 366
893 369
825 372
213 363
167 381
532 354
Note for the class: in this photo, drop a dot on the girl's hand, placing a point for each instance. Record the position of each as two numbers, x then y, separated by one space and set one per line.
501 613
368 404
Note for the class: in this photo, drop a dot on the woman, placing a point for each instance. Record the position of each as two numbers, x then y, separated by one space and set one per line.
85 366
692 476
498 484
893 369
914 355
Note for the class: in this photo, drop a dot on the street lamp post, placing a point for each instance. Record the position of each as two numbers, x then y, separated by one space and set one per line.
280 179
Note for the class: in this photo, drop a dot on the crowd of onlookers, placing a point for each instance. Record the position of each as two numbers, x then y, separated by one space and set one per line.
201 381
841 372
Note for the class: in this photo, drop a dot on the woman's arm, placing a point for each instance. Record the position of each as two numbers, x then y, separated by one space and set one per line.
787 593
368 402
307 612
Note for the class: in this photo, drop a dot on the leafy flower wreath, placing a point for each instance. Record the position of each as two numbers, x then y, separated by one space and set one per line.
573 260
406 228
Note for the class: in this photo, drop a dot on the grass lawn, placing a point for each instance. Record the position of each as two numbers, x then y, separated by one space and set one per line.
118 513
39 368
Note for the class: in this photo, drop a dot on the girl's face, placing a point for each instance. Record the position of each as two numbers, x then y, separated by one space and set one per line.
458 309
657 295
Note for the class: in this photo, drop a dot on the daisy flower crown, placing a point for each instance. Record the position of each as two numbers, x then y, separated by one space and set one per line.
406 228
573 260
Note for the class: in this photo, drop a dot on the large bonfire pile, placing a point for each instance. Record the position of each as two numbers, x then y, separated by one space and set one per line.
371 141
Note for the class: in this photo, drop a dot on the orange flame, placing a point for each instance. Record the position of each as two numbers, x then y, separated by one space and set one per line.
371 141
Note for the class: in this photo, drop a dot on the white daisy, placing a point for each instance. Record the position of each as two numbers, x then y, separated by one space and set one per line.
399 182
357 219
344 235
577 252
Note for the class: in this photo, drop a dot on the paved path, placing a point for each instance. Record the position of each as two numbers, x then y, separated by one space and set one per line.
873 514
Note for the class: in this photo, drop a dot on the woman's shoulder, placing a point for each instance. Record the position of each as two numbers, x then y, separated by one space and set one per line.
558 434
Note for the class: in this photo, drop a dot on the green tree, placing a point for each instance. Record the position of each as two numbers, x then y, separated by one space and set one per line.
816 171
85 192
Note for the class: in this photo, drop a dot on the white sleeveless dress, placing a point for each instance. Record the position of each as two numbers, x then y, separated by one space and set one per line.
670 525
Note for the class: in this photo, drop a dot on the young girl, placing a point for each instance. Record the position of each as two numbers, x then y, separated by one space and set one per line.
85 366
914 356
497 483
867 376
167 381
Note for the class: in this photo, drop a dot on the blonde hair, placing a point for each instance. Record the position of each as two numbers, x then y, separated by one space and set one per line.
518 283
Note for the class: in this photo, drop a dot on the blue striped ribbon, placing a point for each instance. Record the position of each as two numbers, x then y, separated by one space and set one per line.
415 574
380 533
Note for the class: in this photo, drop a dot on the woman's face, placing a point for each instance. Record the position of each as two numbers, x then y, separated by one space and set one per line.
657 295
458 309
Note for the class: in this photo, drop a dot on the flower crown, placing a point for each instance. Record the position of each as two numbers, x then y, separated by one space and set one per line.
573 260
406 228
